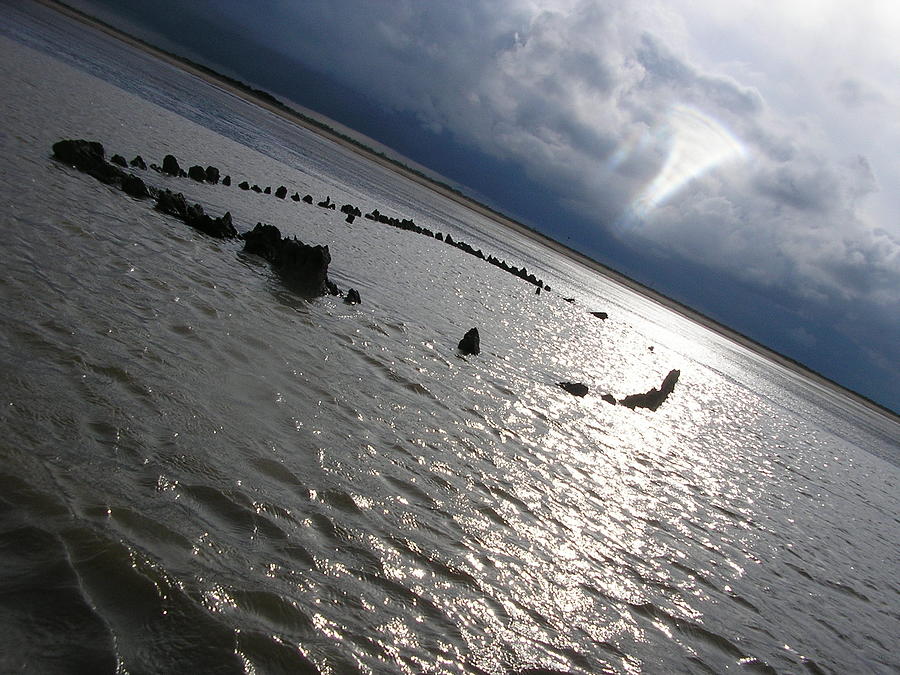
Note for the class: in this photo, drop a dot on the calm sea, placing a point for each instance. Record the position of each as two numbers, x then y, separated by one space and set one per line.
201 472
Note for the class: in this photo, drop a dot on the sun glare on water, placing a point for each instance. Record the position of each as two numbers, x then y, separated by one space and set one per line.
697 143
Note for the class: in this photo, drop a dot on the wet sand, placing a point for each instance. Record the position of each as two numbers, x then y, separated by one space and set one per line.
581 259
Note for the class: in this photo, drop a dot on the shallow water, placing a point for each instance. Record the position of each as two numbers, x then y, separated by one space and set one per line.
201 470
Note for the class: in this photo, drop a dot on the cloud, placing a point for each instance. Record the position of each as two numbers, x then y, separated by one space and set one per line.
800 186
854 93
664 70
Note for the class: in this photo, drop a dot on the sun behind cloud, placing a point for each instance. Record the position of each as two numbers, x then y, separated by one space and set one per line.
697 144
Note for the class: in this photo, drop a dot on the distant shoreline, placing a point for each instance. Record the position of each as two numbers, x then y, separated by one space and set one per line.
267 101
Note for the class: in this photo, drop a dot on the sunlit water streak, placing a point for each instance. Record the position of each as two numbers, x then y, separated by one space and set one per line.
201 471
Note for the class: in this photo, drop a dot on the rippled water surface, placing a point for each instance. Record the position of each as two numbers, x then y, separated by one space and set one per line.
201 471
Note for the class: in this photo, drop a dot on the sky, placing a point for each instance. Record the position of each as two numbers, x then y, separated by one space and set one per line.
740 157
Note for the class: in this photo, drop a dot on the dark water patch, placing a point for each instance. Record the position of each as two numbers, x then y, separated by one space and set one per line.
831 628
237 355
412 492
275 612
541 620
441 483
272 655
610 648
333 532
702 665
493 516
649 580
174 455
274 510
743 602
383 364
472 668
875 589
231 512
362 559
878 643
340 500
733 515
184 330
799 570
45 349
557 523
654 523
375 649
396 592
597 593
571 655
755 665
440 527
278 472
698 489
40 505
390 374
297 553
47 623
504 391
158 627
477 484
387 329
694 631
152 534
812 667
515 501
537 670
56 325
104 433
452 572
846 590
700 576
497 609
644 460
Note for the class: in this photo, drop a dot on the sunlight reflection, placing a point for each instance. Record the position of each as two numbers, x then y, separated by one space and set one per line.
601 519
697 144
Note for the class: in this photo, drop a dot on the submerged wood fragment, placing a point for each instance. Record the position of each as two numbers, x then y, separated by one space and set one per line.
471 342
301 266
575 388
655 397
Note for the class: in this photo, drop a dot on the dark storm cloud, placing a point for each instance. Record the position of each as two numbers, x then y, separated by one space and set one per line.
663 69
810 188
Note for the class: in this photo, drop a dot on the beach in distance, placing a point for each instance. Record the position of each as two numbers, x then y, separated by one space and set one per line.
228 448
